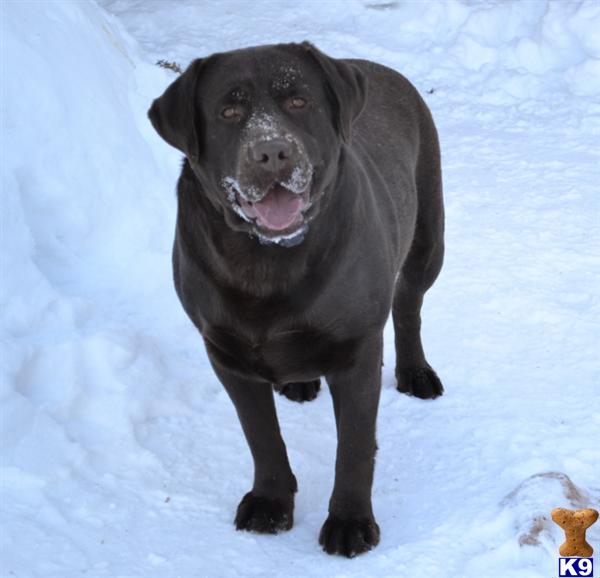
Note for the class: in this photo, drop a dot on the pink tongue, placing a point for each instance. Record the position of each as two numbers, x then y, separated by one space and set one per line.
278 209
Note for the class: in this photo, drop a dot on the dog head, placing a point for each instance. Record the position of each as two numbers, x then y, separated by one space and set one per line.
262 129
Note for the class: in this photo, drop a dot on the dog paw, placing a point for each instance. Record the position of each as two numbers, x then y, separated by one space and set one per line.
264 515
419 381
349 537
301 390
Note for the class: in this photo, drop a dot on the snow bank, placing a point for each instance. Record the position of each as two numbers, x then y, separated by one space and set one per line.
87 223
80 202
504 50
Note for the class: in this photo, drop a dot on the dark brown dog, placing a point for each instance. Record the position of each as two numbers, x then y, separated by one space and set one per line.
310 204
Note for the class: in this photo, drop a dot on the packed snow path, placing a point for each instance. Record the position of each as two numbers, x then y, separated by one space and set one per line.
122 454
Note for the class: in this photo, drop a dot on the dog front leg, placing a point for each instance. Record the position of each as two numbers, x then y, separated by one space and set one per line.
350 528
269 506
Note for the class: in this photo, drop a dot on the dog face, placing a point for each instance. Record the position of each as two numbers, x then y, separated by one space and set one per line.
262 129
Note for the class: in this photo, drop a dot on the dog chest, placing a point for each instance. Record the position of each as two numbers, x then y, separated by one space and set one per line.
280 357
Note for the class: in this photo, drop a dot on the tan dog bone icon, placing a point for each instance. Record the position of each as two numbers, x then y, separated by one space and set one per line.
575 523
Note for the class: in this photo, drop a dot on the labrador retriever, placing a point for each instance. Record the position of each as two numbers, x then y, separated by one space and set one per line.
309 205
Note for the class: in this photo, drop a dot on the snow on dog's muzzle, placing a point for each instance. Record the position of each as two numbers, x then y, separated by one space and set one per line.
271 188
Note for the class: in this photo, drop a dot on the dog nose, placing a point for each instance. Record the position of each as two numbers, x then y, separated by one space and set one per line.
272 155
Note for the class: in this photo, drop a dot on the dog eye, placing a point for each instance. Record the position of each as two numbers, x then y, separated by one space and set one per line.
297 102
232 112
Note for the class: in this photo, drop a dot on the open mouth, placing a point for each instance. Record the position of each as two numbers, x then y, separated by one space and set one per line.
279 211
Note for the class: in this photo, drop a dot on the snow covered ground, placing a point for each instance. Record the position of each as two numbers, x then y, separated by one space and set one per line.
121 454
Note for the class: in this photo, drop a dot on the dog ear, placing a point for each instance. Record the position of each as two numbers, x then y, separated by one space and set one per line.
173 115
347 88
